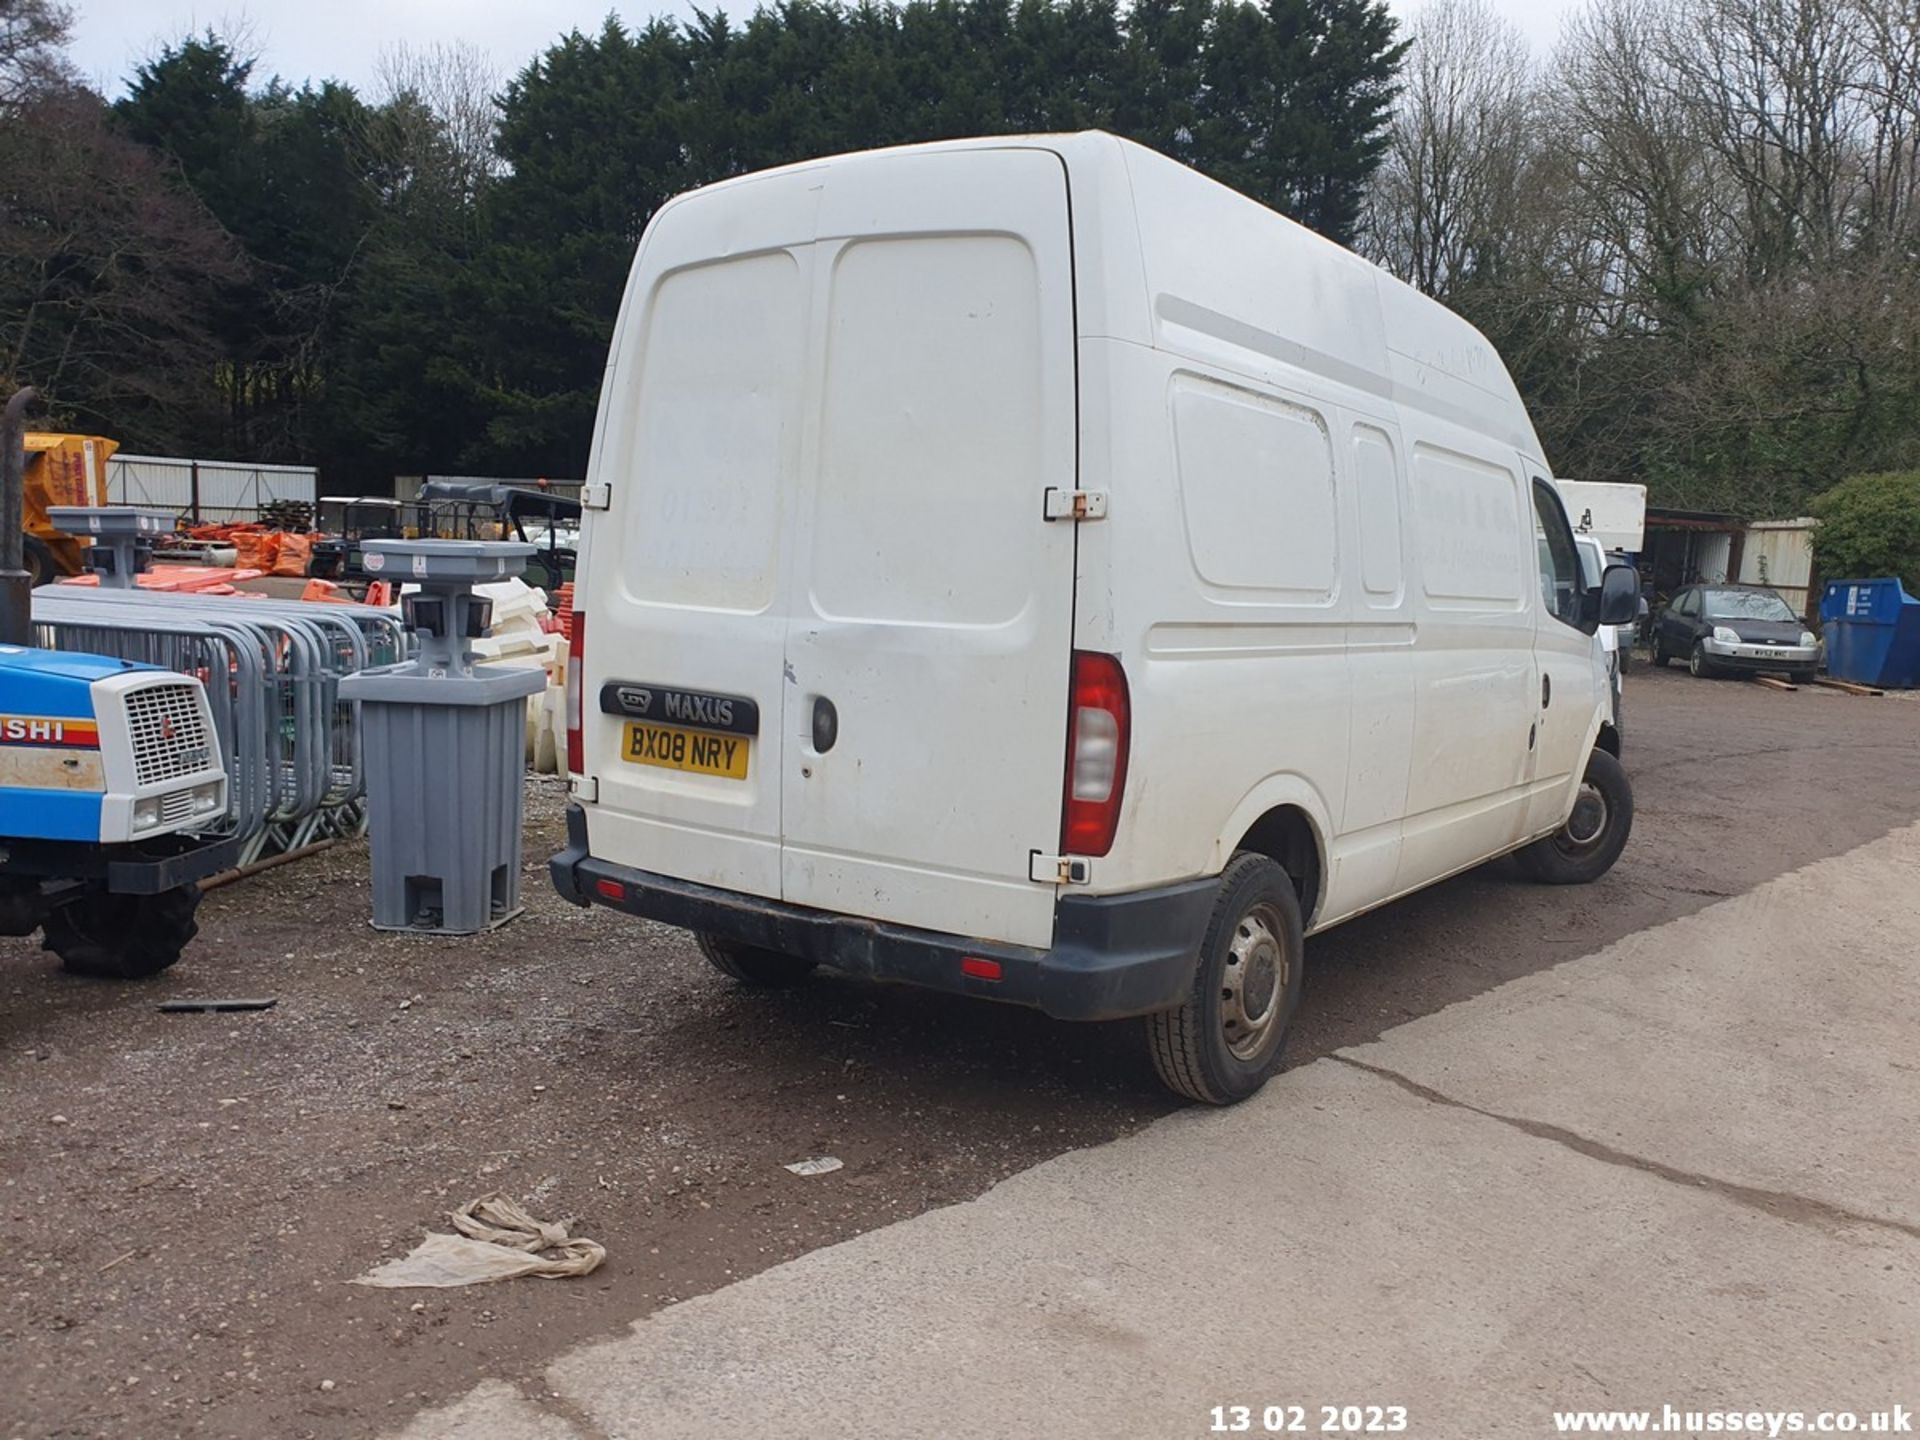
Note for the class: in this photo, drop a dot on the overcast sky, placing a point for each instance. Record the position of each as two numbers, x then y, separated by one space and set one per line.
317 39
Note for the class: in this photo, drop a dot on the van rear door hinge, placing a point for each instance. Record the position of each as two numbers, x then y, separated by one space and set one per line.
1059 869
596 497
1075 504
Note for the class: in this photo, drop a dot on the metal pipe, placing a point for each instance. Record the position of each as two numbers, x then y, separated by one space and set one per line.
243 872
16 585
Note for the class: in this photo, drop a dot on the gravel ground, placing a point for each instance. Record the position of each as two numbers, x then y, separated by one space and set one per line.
183 1197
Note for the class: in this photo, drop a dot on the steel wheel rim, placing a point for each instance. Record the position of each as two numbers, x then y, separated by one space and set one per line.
1694 662
1254 984
1588 823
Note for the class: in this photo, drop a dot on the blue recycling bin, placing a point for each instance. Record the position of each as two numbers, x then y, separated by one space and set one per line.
1873 632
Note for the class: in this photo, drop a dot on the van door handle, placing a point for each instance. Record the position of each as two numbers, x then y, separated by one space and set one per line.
1546 691
826 724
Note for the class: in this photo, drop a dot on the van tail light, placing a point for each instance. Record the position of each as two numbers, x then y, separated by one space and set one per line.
576 687
1099 730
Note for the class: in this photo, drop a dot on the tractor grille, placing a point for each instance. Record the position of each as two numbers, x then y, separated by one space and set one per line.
177 808
169 736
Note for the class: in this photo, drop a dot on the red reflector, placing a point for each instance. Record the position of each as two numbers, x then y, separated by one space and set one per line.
576 690
980 969
612 889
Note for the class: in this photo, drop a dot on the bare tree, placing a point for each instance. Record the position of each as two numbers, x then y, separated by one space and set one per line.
1448 187
1645 185
33 35
1887 218
450 90
106 273
1776 91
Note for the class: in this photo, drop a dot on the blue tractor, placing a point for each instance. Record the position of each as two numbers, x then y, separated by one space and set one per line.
108 772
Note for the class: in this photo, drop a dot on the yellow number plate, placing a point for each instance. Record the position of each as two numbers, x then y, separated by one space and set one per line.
672 748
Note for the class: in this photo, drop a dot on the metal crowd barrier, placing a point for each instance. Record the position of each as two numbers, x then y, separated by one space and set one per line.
272 670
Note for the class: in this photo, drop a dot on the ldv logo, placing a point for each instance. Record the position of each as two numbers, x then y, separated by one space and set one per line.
635 700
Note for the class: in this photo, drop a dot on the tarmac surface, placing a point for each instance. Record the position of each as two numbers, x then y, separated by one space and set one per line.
1680 1171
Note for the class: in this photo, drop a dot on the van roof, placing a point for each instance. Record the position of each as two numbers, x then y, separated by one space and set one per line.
1219 275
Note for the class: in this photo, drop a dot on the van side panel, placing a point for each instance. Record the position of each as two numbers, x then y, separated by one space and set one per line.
1222 577
1393 703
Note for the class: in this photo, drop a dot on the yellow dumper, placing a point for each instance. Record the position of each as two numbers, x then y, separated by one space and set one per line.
61 470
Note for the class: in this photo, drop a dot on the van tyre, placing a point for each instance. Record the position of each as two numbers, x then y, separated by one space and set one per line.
122 937
752 965
1658 651
1584 849
1221 1043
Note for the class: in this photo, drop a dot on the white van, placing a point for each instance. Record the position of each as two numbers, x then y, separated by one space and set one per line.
1027 569
1616 641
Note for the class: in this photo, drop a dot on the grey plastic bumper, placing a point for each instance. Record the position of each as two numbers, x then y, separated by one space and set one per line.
1112 956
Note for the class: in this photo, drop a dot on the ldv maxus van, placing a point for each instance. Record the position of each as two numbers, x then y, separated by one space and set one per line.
1028 569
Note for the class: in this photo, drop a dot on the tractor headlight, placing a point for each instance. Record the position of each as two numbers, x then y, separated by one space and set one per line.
146 814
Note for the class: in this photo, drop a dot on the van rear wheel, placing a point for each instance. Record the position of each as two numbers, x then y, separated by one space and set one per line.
1221 1043
752 965
1584 849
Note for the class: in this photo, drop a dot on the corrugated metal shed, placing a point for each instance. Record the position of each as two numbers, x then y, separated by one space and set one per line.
1780 553
211 490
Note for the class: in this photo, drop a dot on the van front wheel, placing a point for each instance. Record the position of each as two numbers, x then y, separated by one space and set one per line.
1584 849
752 965
1223 1041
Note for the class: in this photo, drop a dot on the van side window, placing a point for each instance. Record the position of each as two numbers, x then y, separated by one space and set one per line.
1561 585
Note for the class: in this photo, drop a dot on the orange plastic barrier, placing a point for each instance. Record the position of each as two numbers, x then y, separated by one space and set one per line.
199 579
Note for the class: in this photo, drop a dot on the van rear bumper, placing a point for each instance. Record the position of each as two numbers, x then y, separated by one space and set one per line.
1112 956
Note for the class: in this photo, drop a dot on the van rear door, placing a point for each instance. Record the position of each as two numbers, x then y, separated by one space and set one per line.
931 605
699 442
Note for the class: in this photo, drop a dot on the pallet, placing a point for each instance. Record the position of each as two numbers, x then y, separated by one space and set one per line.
1846 687
1774 682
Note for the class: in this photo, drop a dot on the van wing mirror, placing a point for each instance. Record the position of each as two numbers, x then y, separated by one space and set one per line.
1618 595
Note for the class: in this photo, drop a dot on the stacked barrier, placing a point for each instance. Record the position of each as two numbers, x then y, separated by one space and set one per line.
272 671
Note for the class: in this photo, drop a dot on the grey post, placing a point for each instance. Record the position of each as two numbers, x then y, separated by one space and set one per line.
16 585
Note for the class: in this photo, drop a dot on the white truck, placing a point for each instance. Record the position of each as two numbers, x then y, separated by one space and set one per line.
1614 514
1026 568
